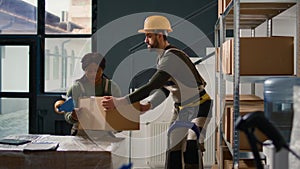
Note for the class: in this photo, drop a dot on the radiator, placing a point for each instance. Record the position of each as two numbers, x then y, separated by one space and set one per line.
209 142
157 144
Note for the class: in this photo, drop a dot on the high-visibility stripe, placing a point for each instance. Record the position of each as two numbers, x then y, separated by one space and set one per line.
202 99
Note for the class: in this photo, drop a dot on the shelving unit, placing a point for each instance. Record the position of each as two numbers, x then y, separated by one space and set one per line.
241 14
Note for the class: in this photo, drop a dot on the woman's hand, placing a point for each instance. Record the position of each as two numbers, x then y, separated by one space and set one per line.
74 113
57 104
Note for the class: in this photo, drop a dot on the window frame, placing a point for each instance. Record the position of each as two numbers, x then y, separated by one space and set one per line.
41 31
36 43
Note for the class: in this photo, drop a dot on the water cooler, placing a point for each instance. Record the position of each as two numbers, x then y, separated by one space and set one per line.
278 103
278 107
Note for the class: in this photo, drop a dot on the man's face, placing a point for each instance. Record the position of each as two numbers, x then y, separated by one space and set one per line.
152 40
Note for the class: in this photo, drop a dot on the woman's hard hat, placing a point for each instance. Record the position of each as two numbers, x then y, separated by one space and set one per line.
155 24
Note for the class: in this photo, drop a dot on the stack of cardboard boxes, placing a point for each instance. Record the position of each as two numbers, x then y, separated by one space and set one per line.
248 103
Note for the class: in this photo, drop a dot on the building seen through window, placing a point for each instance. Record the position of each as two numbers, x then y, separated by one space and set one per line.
62 61
69 17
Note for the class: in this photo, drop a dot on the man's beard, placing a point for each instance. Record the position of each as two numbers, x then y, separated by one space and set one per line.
153 47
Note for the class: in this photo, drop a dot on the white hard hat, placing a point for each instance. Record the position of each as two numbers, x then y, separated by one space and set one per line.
155 24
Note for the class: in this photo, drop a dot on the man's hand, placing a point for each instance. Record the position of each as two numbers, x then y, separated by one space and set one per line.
108 103
144 107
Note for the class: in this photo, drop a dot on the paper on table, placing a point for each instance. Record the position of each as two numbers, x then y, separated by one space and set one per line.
14 141
38 146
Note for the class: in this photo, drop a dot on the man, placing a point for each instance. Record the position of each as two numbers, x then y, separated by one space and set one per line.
177 75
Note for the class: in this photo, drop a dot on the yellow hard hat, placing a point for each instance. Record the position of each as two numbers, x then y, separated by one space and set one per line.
156 23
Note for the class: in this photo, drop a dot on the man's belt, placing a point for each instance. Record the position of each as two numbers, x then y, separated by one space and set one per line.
194 101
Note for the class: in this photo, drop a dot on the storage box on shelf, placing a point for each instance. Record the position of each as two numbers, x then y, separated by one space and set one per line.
222 4
225 154
243 164
227 160
248 103
260 56
244 143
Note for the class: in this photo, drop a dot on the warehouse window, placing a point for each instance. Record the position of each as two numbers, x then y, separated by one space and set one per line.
18 17
55 64
14 120
15 69
72 63
47 64
69 17
64 58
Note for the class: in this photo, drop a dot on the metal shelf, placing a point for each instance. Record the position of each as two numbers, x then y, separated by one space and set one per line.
245 155
254 13
242 14
251 79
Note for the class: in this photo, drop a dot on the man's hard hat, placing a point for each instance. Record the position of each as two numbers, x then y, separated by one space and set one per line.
155 24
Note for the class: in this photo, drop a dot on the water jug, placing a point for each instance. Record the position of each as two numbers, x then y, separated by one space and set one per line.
278 103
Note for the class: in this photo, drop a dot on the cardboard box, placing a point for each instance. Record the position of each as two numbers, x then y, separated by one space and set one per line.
248 103
226 60
243 164
226 3
215 166
244 99
225 153
261 56
244 143
222 4
93 117
220 7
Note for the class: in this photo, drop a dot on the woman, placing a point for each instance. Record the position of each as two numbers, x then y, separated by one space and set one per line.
92 83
